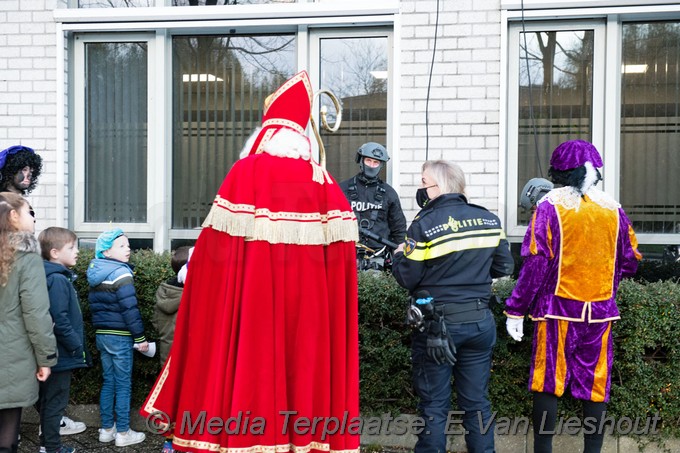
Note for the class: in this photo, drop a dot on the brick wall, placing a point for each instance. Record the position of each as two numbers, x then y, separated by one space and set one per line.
464 95
28 90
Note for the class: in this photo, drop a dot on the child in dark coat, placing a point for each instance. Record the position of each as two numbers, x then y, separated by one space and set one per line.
168 297
59 250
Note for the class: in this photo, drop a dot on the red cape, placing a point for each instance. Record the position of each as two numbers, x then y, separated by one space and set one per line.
267 331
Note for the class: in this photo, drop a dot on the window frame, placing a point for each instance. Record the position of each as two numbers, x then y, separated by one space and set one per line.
607 130
392 119
77 175
515 30
157 26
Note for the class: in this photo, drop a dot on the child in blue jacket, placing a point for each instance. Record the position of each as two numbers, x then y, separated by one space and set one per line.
118 324
59 251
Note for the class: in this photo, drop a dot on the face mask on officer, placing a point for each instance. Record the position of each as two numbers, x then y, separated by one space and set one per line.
422 197
370 167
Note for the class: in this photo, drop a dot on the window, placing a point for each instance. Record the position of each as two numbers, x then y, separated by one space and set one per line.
148 3
114 3
160 115
355 69
116 139
219 86
225 2
622 93
650 126
113 175
553 97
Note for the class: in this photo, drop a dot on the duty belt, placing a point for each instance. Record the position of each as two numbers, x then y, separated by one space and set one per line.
468 312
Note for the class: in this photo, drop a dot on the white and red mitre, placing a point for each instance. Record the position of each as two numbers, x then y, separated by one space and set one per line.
278 193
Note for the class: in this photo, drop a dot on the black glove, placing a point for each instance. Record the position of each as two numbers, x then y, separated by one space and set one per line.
440 347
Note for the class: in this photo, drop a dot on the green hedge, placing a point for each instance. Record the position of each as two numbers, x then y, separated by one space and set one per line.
646 341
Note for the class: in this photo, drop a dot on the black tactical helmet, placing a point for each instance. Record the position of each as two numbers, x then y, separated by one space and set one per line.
374 151
533 191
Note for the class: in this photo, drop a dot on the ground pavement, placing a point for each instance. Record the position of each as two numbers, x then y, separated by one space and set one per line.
87 441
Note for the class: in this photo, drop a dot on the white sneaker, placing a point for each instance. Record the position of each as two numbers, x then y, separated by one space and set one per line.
129 438
69 427
107 435
42 450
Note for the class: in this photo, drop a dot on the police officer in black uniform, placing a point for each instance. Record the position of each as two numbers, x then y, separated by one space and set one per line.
375 203
452 251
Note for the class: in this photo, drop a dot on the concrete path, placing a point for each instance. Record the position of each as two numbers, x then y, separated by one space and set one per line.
519 442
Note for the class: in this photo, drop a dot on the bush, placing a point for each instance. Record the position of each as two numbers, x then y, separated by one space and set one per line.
646 372
645 375
384 346
646 368
650 271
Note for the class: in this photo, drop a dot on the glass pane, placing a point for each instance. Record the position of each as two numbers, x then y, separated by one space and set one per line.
226 2
116 136
355 70
650 126
219 87
556 89
115 3
135 243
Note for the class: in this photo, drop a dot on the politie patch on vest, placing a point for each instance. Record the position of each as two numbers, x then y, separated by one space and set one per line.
409 246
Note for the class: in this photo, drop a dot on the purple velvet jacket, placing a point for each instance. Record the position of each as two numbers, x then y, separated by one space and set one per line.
576 251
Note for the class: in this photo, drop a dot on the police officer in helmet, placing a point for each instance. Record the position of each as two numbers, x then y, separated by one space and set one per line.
375 203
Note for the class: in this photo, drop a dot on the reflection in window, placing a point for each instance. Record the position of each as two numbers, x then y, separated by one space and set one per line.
556 88
355 70
219 87
650 126
115 3
116 137
144 3
226 2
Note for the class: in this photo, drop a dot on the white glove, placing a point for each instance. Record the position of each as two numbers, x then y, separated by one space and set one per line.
515 328
182 274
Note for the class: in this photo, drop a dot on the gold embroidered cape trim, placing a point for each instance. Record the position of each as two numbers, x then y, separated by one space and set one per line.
282 227
283 448
210 446
283 122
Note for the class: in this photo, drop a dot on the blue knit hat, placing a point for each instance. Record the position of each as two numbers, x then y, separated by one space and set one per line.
105 241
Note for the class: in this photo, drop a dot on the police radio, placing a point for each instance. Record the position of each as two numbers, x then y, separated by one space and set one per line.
421 308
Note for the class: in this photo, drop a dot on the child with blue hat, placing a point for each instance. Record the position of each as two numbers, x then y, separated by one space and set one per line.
119 329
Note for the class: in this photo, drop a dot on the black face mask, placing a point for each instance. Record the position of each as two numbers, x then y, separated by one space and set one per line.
422 198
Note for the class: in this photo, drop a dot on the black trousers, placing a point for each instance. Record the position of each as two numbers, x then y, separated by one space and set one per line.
545 417
52 402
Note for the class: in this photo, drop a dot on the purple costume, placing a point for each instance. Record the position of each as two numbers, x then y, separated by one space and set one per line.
579 246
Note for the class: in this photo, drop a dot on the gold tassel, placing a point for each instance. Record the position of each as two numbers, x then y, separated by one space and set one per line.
318 173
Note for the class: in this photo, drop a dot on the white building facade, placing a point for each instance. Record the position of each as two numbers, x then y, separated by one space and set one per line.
140 107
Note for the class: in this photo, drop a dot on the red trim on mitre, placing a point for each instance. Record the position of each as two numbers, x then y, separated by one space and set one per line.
290 106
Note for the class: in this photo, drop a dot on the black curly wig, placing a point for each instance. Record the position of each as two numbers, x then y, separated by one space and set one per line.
573 177
15 163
